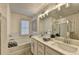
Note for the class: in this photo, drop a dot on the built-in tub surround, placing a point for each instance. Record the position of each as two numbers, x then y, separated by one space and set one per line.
56 46
15 32
23 46
21 49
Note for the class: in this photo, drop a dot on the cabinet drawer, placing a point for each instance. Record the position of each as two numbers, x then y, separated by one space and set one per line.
35 47
32 46
49 51
40 52
40 49
40 46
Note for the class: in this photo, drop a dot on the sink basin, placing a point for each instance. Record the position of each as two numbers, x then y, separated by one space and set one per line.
66 47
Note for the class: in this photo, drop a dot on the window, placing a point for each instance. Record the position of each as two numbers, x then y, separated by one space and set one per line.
24 27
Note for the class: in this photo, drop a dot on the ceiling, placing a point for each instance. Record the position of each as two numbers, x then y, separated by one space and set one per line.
29 9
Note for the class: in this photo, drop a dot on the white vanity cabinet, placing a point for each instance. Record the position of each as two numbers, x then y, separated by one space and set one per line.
34 46
49 51
41 48
38 48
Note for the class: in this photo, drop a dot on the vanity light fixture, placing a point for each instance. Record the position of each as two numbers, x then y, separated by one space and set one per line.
59 8
40 17
46 13
43 15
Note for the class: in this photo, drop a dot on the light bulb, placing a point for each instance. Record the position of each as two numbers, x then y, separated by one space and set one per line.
67 5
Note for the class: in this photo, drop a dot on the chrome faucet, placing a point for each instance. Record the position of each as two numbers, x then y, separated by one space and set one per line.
66 41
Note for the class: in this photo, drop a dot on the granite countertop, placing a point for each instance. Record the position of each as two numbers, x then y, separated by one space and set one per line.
51 45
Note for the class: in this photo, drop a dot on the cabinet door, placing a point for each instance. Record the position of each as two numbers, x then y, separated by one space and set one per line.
49 51
34 47
40 49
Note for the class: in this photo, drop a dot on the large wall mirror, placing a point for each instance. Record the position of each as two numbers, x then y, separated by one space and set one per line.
62 26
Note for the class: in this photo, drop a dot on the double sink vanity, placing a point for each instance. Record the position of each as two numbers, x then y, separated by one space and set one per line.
55 46
61 23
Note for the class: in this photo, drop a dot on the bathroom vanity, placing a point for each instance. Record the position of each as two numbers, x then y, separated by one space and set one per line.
52 47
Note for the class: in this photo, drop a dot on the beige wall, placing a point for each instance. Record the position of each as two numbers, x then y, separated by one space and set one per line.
15 25
3 9
3 19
